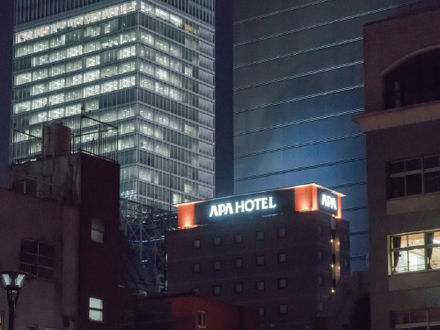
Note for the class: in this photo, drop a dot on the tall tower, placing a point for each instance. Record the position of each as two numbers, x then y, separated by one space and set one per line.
298 80
146 67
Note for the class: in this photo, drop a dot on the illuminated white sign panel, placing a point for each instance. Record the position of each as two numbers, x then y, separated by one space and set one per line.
329 201
243 206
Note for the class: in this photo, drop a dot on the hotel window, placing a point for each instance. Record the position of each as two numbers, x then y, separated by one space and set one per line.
37 259
196 268
238 263
196 244
282 258
260 285
260 260
238 287
238 238
202 319
415 252
414 176
259 236
217 265
282 283
283 309
282 232
97 231
217 241
96 309
216 290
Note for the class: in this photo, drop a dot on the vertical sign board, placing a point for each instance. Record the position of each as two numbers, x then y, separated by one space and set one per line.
245 205
327 202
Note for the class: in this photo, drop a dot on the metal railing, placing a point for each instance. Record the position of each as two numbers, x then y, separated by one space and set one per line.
91 136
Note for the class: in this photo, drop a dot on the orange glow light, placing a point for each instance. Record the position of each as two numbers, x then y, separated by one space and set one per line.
185 216
306 198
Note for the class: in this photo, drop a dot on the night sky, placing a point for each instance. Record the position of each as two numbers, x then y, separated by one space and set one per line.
224 169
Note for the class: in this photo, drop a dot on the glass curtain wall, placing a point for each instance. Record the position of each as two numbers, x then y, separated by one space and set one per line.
142 66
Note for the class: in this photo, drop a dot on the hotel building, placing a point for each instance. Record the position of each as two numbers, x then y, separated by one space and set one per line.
145 67
284 253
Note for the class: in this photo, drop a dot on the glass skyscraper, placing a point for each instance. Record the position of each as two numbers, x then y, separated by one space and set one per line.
146 67
298 81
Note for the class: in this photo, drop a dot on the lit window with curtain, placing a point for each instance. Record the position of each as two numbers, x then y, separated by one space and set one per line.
415 252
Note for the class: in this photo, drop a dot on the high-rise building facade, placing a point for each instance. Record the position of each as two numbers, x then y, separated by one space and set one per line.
145 67
298 80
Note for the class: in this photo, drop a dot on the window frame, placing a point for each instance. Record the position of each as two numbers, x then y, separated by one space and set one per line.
281 255
405 174
202 319
197 243
427 246
96 309
260 260
259 235
33 268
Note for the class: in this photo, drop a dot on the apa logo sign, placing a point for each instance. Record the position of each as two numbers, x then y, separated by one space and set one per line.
328 201
242 206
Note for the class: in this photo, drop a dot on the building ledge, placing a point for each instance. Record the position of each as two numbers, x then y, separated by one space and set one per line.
415 203
397 117
416 280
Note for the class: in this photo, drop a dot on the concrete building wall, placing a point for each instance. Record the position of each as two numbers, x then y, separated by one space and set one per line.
26 217
80 192
407 132
307 268
298 80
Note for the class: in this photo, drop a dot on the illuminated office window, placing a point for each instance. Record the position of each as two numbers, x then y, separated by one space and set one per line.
56 99
57 84
92 61
23 78
91 90
96 309
91 76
